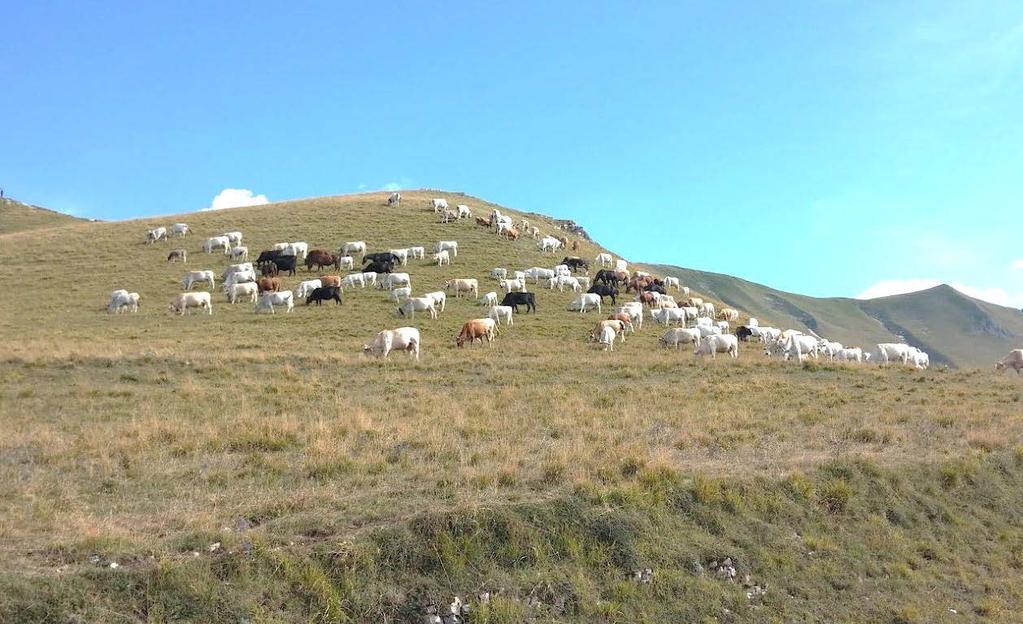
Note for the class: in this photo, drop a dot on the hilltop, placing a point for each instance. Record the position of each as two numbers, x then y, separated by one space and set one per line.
955 329
16 216
243 466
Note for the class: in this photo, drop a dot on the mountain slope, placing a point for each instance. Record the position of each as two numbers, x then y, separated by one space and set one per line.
18 217
954 328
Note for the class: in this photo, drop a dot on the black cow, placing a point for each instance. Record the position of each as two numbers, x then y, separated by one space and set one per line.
657 288
326 293
285 263
575 263
268 256
515 299
380 267
743 333
604 291
380 256
607 276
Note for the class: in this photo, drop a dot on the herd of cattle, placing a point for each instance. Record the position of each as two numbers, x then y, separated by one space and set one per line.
689 319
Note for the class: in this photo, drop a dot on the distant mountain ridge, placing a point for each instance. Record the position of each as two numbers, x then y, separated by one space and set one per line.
955 329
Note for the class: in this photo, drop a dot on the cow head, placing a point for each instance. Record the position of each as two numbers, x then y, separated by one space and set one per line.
999 365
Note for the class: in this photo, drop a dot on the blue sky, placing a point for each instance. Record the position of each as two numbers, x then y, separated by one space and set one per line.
828 148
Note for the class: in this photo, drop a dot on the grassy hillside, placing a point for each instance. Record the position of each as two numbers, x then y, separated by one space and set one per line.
248 467
18 217
955 329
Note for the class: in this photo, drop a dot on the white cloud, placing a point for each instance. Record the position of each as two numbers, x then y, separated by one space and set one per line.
392 186
887 288
236 198
1017 265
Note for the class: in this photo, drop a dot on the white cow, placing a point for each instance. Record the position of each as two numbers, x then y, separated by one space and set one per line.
562 269
584 282
239 253
298 249
713 345
394 199
829 348
156 234
679 335
463 211
672 282
271 299
794 344
850 355
281 247
919 358
708 330
352 280
234 236
753 322
184 301
549 243
562 281
538 273
723 326
121 300
217 242
239 277
401 293
892 351
401 339
692 314
247 289
463 286
439 297
584 302
417 252
499 312
489 299
768 334
667 316
441 258
449 246
307 287
499 273
180 229
236 268
394 280
604 259
354 247
707 309
635 311
519 275
417 304
704 321
346 262
440 205
369 278
1014 361
607 338
193 277
401 254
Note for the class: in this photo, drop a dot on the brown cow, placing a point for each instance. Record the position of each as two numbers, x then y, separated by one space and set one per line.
648 298
625 318
511 233
477 329
480 221
618 325
319 258
330 280
564 241
269 284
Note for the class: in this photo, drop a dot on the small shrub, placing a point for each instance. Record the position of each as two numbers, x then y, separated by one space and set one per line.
834 496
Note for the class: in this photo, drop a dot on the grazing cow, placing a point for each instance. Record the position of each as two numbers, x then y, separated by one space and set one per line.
183 302
919 358
667 316
635 311
178 255
463 285
728 314
319 258
743 333
156 234
235 237
513 284
499 312
180 229
449 246
418 304
268 300
285 263
602 291
239 277
499 273
799 345
1013 361
647 298
680 335
441 258
829 348
618 326
448 216
239 253
890 351
121 300
400 255
319 295
489 299
604 259
575 264
477 329
353 247
401 339
550 243
352 280
330 280
515 299
394 200
440 205
850 355
266 257
308 286
707 309
398 294
694 302
193 277
440 298
417 252
381 256
463 211
672 282
610 277
584 302
480 221
584 282
511 233
246 289
708 330
562 281
769 333
625 318
562 269
394 280
607 338
269 284
538 273
217 242
369 278
378 267
344 262
534 232
718 344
